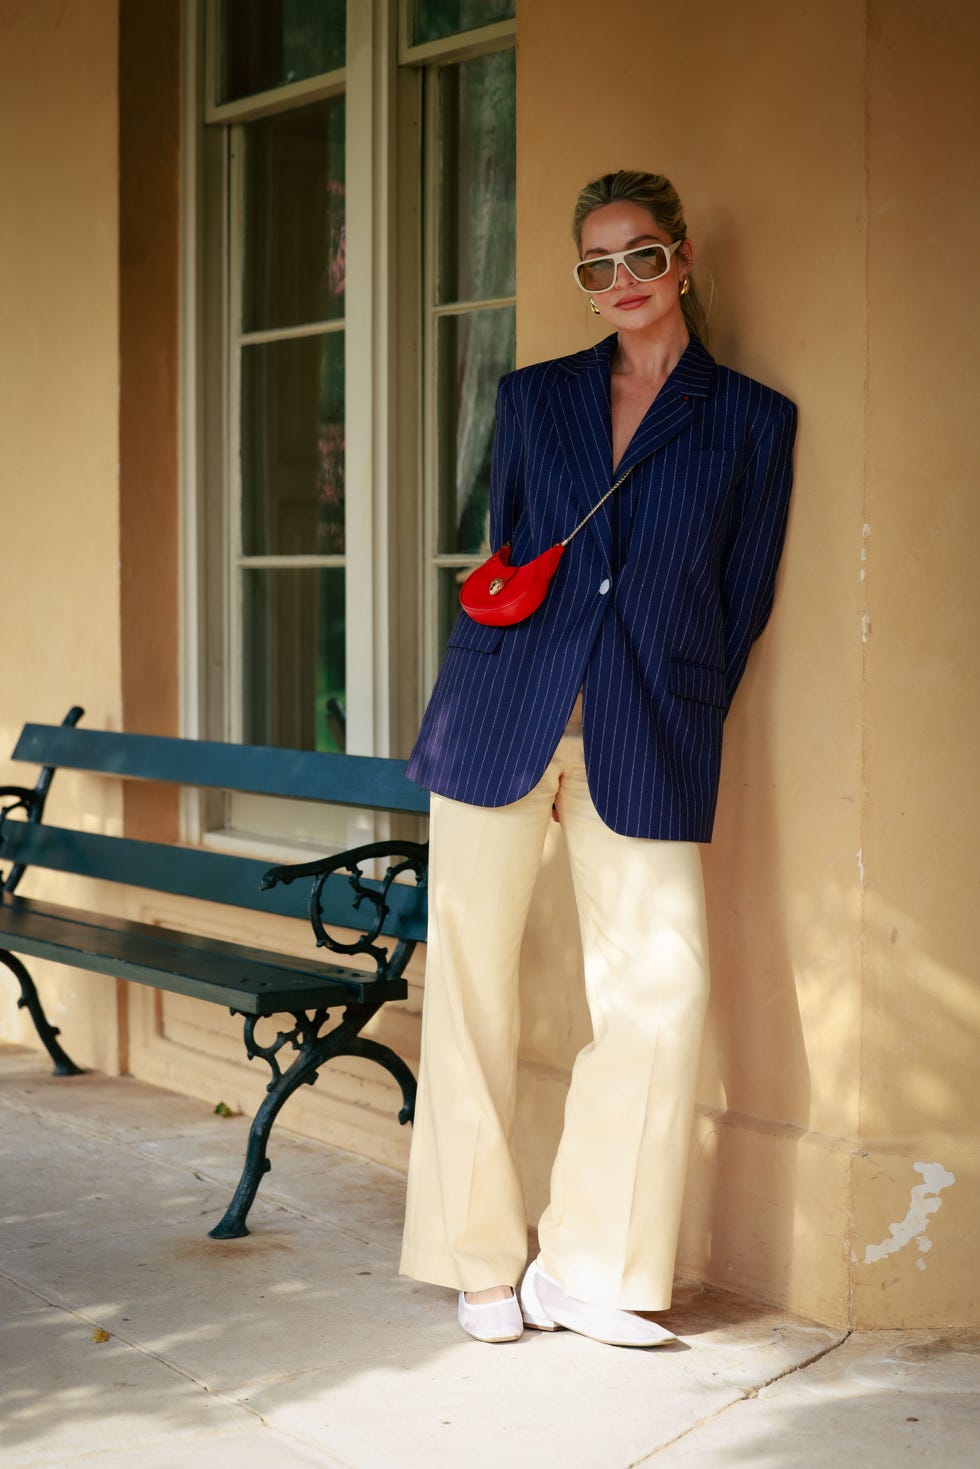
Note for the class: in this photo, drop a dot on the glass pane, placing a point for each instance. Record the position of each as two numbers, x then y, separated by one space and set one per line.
268 43
294 218
293 447
477 178
293 652
434 19
474 351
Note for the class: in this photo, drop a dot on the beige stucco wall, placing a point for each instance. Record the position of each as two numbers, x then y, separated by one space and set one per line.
828 166
827 163
59 429
921 1011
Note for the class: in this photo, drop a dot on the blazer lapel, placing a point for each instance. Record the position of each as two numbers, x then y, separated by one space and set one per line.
583 417
674 406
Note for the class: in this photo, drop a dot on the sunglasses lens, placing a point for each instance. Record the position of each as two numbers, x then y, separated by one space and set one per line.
649 263
646 264
596 275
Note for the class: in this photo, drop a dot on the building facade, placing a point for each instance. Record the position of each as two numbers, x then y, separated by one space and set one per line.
261 274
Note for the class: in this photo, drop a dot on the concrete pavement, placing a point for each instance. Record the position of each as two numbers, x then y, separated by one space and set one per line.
127 1337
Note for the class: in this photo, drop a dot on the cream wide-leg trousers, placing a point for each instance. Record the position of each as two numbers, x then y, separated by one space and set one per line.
609 1233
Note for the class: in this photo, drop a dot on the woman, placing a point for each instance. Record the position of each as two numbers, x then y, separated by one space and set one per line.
605 709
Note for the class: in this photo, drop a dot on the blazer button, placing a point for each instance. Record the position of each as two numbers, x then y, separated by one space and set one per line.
604 586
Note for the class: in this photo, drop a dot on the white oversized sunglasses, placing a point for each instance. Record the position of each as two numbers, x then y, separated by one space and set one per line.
647 263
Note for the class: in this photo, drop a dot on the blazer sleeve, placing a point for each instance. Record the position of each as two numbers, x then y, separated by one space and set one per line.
755 540
505 467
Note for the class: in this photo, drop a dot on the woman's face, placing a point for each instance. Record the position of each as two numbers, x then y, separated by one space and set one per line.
631 305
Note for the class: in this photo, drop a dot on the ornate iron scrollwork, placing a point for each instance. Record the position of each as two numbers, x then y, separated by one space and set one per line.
313 1049
24 800
304 1033
32 803
342 1039
390 964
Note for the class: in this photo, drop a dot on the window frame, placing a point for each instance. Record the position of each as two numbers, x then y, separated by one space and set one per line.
434 311
391 609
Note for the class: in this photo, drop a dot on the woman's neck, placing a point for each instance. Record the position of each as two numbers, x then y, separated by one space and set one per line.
651 358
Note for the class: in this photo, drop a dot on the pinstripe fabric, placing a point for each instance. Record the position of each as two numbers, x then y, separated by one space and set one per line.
653 608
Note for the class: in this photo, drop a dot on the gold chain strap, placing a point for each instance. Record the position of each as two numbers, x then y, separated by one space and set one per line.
596 507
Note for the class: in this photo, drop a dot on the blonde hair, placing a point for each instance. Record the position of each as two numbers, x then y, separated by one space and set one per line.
655 193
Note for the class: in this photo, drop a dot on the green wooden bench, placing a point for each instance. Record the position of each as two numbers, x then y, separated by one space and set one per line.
254 983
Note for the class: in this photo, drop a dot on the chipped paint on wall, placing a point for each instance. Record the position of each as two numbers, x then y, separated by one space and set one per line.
925 1202
862 574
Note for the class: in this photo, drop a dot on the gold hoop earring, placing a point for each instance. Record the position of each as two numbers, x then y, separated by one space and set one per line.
595 309
685 285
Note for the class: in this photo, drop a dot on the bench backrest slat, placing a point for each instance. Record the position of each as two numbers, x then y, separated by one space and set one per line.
193 873
305 775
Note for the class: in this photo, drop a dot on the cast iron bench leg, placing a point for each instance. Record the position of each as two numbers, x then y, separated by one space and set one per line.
386 1057
313 1050
30 1001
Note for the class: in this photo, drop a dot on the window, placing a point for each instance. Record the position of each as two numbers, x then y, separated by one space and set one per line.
290 355
434 20
469 298
353 220
284 524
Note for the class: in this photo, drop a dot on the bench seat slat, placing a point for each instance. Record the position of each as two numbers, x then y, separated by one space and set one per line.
304 775
193 873
210 969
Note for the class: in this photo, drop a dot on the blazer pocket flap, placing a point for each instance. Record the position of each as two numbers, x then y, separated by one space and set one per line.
479 636
699 682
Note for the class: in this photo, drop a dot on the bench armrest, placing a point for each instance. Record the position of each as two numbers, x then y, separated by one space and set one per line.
23 796
31 802
413 858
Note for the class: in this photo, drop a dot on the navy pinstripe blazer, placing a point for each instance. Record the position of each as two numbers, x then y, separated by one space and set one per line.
654 605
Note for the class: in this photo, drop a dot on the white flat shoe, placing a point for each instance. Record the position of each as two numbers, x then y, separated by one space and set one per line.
546 1306
531 1308
492 1320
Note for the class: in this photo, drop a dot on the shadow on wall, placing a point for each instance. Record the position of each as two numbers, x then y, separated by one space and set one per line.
754 1026
916 1175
